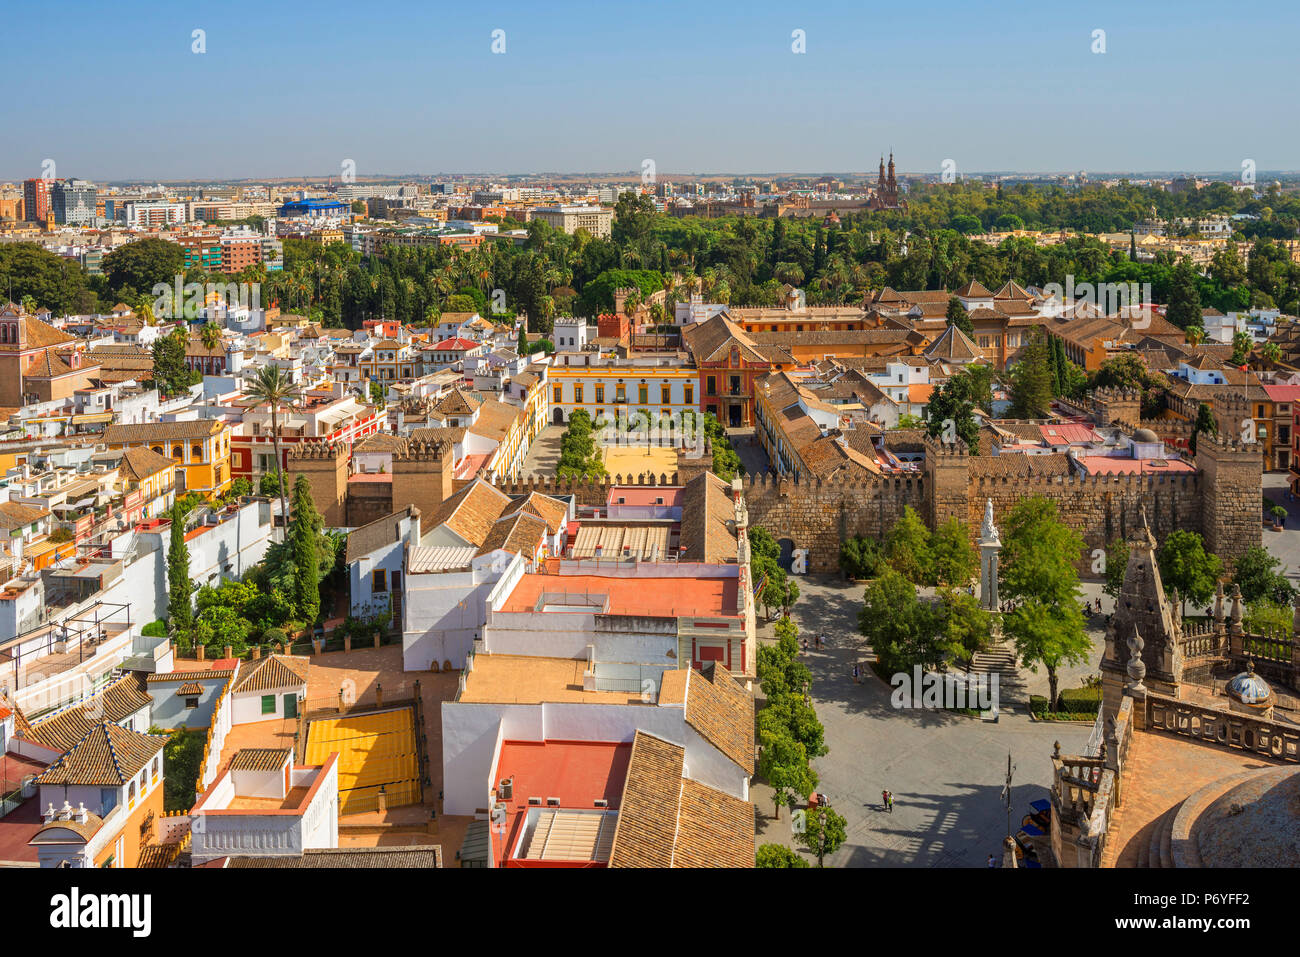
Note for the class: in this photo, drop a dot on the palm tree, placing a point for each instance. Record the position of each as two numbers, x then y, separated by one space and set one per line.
1195 335
1271 353
272 386
210 335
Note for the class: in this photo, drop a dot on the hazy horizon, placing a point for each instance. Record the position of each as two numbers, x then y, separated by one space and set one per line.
1008 88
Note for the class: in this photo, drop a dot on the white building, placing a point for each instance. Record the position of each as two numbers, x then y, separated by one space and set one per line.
266 806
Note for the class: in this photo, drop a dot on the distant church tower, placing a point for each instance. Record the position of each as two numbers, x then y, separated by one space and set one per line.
886 187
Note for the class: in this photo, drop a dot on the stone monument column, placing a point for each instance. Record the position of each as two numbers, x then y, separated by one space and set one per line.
990 545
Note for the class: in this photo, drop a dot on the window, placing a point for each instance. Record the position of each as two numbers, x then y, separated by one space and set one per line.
379 580
577 393
620 393
196 451
558 394
643 393
665 394
689 398
191 701
735 385
600 393
711 385
268 704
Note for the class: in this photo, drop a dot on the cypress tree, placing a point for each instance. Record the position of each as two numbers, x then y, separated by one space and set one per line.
304 538
179 587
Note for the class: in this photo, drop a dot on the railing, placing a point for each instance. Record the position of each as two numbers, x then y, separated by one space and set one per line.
1224 728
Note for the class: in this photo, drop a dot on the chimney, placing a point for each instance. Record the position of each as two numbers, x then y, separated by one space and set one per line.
65 812
81 813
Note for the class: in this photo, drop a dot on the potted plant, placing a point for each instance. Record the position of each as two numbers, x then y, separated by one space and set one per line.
1279 517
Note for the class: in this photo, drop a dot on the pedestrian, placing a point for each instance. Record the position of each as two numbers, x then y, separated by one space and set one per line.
855 674
888 800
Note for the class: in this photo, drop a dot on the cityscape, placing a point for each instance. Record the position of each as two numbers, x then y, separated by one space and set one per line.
939 512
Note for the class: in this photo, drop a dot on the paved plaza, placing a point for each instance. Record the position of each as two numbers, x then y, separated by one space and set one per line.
946 770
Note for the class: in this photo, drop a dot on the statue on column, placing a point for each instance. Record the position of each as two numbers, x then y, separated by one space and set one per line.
990 545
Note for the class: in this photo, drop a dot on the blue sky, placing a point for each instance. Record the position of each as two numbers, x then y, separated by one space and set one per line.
114 91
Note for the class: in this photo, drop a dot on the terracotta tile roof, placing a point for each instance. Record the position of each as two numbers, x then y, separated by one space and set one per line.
157 856
520 534
710 340
413 856
714 829
63 729
666 820
457 402
220 674
470 512
1013 464
551 510
707 532
48 366
379 442
108 756
274 672
142 462
954 344
189 688
375 535
495 419
974 290
647 813
260 759
722 711
162 431
83 829
16 515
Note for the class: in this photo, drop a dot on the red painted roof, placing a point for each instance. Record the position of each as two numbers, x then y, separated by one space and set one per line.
576 772
1068 434
1283 393
1115 465
656 597
641 495
456 343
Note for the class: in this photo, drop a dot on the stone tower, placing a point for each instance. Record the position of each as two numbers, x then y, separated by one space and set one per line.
947 481
1142 610
1116 405
422 476
1231 473
326 466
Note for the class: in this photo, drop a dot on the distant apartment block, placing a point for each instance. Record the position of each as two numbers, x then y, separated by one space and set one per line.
594 219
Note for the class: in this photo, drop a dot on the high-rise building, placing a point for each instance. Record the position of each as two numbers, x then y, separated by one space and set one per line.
36 199
73 202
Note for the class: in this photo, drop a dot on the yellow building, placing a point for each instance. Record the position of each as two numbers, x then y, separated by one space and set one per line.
605 389
199 449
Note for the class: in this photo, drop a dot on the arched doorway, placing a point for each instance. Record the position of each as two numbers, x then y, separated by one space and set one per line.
558 417
786 558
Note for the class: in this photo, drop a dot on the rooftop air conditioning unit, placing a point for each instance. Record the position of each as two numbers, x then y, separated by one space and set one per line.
535 802
507 790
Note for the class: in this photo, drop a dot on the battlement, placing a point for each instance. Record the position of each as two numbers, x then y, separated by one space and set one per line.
316 449
935 447
422 450
1182 480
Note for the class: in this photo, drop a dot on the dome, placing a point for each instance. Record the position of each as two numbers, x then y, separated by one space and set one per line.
1145 435
1249 688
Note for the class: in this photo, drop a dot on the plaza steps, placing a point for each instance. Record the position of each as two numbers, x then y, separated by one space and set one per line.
1000 659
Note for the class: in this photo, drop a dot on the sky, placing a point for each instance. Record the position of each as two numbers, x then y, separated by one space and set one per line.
116 91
